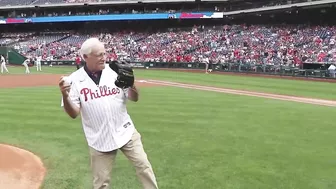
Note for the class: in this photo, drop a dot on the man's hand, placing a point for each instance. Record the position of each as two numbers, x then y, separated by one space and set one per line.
71 109
64 86
125 77
133 94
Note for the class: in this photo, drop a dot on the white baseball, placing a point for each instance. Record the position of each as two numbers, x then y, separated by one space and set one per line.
66 80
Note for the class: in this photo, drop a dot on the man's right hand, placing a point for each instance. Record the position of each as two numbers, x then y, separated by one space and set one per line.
64 86
71 109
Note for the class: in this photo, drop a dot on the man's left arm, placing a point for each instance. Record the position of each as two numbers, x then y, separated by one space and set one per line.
133 94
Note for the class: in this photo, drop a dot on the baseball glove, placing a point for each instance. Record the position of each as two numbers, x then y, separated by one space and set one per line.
125 77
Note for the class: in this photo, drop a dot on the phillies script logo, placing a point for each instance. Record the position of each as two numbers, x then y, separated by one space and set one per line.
101 92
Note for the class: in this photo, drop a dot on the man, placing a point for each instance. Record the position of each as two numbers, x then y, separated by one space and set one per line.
3 64
25 64
98 93
206 62
38 63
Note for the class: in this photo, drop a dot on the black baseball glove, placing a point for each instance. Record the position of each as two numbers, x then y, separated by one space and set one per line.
125 77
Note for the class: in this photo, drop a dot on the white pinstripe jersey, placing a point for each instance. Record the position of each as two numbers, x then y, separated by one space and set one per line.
106 123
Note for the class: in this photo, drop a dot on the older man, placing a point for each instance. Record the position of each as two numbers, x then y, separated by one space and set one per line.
99 93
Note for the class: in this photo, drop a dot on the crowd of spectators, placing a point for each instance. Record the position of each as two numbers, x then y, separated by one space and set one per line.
256 44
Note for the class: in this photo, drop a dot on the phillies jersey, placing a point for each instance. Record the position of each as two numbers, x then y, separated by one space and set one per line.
106 123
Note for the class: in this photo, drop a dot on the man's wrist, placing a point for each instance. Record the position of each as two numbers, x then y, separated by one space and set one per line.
65 95
133 88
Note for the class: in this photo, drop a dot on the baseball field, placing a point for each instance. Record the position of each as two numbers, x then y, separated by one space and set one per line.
200 131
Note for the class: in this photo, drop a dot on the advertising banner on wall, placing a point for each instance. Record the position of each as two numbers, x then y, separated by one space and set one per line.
115 17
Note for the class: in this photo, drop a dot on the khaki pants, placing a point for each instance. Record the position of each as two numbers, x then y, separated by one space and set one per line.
102 163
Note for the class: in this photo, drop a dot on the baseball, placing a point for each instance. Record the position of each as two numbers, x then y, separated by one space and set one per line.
66 80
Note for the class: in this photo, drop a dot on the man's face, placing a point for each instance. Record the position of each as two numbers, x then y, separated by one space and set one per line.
97 58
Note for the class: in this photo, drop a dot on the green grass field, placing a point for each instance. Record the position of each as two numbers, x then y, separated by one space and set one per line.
194 139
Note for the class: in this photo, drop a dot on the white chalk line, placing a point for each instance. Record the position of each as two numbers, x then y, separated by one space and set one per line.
329 103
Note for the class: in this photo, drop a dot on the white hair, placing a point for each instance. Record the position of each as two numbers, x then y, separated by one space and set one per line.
88 45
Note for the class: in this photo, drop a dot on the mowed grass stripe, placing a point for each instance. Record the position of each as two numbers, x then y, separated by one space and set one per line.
45 70
270 85
31 103
31 106
28 90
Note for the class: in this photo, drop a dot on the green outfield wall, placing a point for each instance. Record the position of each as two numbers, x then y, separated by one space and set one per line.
12 56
